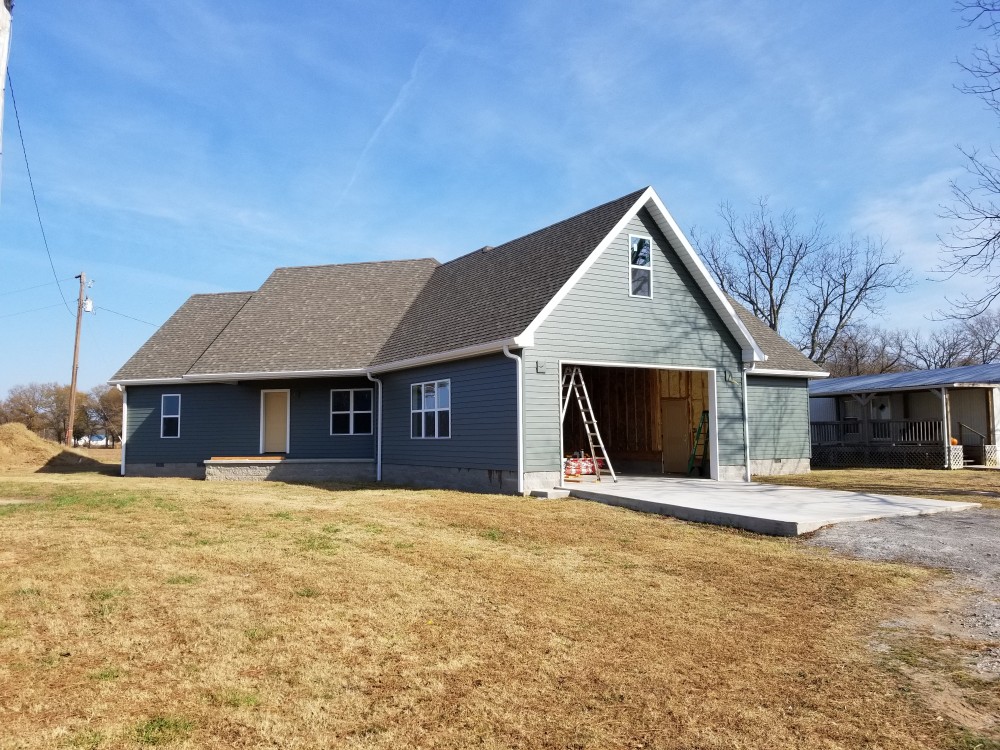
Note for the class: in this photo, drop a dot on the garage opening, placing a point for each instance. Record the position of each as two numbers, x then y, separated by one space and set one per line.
652 421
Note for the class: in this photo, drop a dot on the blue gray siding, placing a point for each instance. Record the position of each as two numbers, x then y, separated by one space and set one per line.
483 416
224 420
598 321
778 417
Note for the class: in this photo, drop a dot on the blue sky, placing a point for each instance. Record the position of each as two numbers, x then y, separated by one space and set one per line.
190 147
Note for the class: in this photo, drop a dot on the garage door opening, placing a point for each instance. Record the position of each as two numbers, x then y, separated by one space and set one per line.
652 421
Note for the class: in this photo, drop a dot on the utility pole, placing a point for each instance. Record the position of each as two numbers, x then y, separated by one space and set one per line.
76 361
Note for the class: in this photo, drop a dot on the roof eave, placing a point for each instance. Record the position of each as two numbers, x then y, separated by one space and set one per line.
517 342
272 375
787 373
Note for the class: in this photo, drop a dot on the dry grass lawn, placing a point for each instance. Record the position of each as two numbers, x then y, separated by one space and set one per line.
139 612
963 485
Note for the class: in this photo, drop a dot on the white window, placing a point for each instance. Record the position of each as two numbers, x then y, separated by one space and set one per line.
351 411
430 409
640 266
170 415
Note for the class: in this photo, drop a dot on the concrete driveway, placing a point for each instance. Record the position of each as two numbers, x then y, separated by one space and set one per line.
762 508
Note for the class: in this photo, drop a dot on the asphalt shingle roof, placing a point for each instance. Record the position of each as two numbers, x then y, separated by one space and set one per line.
781 355
495 293
176 346
904 381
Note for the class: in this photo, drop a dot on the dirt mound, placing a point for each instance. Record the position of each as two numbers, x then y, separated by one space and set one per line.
20 448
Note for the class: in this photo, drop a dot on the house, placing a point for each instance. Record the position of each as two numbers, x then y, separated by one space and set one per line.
449 374
944 418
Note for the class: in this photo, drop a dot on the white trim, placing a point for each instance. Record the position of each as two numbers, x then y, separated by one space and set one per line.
713 415
124 424
519 363
147 381
788 373
518 342
746 425
352 411
378 439
288 417
649 199
648 269
276 375
176 416
436 410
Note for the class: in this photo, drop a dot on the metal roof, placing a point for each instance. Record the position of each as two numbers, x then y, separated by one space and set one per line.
985 375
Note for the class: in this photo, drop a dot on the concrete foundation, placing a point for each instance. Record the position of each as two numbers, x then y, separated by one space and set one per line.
732 473
188 471
443 477
292 470
541 480
777 466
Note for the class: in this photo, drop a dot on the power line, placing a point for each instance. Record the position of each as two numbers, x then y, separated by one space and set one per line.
137 320
25 312
31 182
29 288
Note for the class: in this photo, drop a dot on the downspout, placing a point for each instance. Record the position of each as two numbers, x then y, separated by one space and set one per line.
746 423
378 438
124 391
520 426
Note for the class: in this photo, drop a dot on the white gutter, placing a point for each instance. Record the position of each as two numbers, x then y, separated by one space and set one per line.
789 373
746 425
278 375
378 439
145 381
124 423
520 425
518 342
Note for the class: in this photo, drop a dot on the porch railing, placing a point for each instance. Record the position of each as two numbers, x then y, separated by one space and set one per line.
878 432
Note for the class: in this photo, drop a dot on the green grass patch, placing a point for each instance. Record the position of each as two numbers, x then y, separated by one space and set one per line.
316 543
237 699
494 535
28 591
283 515
257 634
182 580
162 730
87 739
105 675
307 592
95 500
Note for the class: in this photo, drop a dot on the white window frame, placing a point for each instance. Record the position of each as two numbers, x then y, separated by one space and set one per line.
164 415
437 409
352 411
648 269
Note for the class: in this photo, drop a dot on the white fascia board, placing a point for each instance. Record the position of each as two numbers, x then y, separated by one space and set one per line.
277 375
145 381
787 373
649 199
519 342
751 351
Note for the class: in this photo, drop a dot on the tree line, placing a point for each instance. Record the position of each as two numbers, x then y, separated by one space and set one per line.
44 409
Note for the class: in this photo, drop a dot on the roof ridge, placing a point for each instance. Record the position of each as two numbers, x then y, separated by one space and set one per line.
359 263
575 217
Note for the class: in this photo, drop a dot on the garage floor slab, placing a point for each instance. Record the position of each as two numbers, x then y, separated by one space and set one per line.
762 508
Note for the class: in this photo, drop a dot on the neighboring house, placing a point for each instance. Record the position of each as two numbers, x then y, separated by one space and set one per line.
924 419
449 375
93 441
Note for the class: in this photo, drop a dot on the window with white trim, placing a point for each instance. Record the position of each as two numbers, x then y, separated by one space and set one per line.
170 415
430 409
351 411
640 266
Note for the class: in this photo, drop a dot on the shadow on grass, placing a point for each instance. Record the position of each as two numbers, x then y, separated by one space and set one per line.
68 462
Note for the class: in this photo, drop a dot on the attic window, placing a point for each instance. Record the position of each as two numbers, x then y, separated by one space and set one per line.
640 266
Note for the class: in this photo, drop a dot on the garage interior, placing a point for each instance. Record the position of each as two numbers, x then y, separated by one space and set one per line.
648 419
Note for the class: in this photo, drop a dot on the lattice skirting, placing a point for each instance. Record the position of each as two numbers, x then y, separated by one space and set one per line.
885 457
957 460
992 455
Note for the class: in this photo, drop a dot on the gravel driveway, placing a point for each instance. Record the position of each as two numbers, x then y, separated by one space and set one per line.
966 543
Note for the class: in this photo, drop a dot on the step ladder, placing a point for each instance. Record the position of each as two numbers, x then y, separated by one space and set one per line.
698 436
573 386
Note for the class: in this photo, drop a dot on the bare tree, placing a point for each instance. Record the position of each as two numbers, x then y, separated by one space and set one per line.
945 347
973 245
761 257
104 404
777 270
982 338
867 350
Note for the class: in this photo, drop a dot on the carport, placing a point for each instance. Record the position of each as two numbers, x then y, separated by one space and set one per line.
771 509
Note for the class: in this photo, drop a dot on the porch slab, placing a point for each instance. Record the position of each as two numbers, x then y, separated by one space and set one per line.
769 509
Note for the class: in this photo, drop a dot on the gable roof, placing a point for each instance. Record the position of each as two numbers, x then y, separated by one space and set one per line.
951 377
781 355
177 344
373 317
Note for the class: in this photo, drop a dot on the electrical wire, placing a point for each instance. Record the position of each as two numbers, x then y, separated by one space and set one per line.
137 320
31 183
37 286
36 309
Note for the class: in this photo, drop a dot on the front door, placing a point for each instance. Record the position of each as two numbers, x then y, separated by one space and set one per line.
676 429
274 421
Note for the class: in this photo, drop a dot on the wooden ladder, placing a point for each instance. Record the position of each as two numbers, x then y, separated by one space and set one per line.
573 385
702 427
